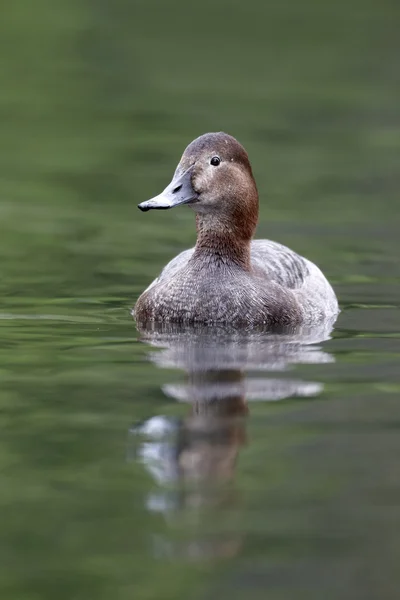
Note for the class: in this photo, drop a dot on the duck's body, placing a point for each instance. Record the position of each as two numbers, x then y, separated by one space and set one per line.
281 288
227 277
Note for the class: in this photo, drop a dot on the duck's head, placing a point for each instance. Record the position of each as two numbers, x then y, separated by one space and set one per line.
214 177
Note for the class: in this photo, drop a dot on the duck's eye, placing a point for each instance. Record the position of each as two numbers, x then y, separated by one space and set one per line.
215 161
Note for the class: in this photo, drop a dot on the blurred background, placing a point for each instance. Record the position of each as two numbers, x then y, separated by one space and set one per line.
98 101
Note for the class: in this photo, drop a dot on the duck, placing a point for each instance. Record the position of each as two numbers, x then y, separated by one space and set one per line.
228 277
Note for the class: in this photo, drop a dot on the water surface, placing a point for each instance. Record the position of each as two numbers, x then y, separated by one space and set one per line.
189 467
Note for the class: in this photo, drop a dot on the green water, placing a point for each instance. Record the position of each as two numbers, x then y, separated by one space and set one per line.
97 102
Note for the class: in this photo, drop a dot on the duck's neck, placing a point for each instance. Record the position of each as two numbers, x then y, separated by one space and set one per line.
219 242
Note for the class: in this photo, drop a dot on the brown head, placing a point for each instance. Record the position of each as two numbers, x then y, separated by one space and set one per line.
215 179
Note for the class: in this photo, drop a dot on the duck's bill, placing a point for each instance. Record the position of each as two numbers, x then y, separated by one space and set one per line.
179 191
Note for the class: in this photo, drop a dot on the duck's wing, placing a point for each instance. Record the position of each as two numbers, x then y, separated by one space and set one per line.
278 263
293 272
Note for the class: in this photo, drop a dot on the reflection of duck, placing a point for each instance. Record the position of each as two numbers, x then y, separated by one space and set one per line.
219 349
194 460
227 277
201 449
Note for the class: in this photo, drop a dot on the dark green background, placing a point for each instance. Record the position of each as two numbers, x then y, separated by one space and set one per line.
98 99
